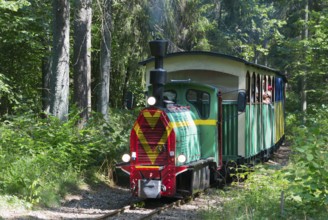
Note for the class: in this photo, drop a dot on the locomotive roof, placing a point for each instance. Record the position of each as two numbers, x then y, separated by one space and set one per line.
219 55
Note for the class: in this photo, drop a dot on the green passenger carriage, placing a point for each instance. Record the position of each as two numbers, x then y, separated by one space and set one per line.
214 109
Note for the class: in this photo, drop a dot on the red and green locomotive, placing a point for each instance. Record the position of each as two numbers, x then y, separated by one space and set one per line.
206 109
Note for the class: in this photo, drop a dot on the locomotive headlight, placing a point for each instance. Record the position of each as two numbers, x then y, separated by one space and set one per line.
151 101
182 158
126 158
134 155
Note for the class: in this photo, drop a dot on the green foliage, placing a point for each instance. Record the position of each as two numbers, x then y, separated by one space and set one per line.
13 5
254 198
8 202
6 90
24 41
297 191
309 176
42 158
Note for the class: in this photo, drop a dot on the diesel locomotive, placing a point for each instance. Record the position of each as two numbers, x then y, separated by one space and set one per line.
204 110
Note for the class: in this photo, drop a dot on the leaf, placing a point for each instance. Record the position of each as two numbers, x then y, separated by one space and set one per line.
296 198
309 157
302 150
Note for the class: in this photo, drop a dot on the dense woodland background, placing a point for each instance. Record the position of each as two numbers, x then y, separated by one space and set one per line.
76 60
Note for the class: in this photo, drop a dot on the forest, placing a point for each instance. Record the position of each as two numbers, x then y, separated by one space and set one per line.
67 66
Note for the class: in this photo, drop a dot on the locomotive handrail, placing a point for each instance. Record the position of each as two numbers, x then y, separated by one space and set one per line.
122 164
199 162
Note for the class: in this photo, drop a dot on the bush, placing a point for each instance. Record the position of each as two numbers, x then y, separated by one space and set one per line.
308 176
40 159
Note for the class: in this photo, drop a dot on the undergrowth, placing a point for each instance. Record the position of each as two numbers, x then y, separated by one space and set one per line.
297 191
42 159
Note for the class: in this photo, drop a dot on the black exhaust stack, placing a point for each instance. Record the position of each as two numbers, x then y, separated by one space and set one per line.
158 49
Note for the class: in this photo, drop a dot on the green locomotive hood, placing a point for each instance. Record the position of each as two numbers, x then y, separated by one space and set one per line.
186 133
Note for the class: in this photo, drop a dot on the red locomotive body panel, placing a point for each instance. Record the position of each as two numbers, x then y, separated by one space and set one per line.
152 146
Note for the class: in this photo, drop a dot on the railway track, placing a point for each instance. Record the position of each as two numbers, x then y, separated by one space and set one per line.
154 209
146 209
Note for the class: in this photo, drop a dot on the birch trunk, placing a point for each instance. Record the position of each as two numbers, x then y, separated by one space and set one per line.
82 57
60 66
303 77
105 59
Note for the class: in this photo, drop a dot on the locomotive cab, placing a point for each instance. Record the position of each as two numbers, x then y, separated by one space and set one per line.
203 102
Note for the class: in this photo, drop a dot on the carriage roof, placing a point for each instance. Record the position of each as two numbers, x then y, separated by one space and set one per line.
217 58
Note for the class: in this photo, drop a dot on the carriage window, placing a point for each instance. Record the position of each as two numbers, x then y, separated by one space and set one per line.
264 84
253 93
273 89
258 89
170 95
201 101
248 83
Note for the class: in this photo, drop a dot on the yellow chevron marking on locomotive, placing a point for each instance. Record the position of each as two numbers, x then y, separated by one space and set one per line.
151 153
145 144
152 119
165 135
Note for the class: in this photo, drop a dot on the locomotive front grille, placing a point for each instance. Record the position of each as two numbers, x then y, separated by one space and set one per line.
151 131
151 146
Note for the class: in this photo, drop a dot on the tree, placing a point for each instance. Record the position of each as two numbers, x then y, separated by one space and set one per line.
44 8
303 54
182 22
60 65
105 57
129 46
25 34
82 57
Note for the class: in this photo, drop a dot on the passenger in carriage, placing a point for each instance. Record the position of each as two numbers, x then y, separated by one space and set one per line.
267 96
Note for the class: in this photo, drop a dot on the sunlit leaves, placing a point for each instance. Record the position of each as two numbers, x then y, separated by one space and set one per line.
13 5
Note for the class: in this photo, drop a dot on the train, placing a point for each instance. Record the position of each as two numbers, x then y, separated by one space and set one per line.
205 111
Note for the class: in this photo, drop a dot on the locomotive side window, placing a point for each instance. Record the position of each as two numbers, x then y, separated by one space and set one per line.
201 101
170 95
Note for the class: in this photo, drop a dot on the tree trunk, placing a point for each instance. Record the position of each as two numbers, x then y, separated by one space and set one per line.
105 61
303 77
125 86
82 57
217 12
46 76
60 65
